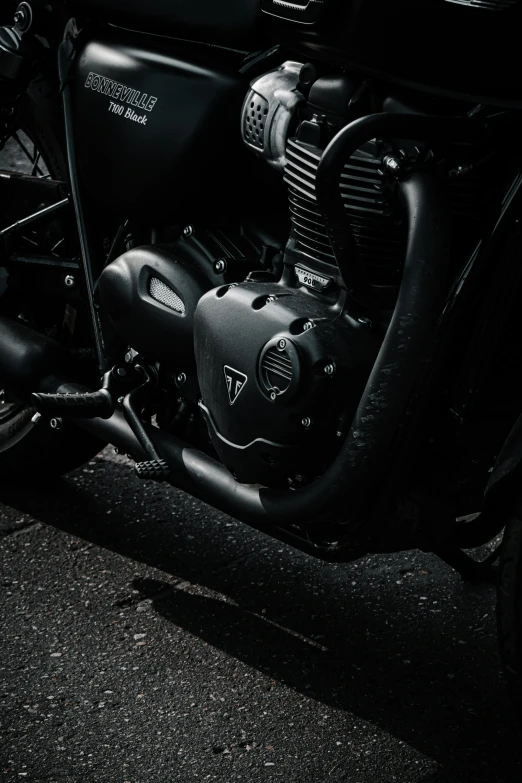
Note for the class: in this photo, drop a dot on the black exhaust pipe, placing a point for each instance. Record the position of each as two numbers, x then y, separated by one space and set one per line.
344 485
28 359
25 359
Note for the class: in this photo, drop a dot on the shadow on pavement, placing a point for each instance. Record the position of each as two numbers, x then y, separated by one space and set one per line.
348 637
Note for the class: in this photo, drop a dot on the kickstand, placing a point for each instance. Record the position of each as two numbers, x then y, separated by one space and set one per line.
469 569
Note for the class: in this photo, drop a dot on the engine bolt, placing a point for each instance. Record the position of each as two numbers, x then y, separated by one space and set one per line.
188 231
329 369
220 266
392 164
281 345
181 379
273 396
306 422
56 424
121 371
270 299
307 325
69 281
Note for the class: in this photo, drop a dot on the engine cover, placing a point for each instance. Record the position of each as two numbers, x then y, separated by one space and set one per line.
277 370
150 296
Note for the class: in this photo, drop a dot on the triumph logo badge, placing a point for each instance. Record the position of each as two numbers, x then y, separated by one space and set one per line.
235 381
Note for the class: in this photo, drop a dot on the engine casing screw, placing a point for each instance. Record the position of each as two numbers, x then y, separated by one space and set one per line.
392 164
220 266
307 325
181 379
364 321
273 396
69 281
306 422
56 423
188 231
270 299
281 345
329 369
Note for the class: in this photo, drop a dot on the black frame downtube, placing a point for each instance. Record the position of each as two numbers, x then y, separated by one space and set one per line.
66 55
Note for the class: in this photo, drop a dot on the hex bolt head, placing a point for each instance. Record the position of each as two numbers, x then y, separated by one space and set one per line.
281 345
270 299
69 281
56 423
220 266
306 422
329 369
188 231
181 379
393 165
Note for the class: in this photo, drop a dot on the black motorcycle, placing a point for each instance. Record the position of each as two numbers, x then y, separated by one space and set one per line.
270 250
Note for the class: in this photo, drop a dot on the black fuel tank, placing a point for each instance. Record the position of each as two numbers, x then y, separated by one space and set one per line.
155 127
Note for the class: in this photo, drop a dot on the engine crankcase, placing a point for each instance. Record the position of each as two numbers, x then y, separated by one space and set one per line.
278 370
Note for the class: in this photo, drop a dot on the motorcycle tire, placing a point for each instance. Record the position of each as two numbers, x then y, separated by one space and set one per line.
28 451
509 607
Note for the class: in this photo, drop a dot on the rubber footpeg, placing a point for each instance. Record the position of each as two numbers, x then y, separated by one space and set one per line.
154 470
91 405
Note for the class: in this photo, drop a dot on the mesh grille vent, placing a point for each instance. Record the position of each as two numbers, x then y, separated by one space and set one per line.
490 5
165 295
255 116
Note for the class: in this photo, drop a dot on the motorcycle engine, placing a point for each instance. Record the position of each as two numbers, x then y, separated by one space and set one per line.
281 365
281 358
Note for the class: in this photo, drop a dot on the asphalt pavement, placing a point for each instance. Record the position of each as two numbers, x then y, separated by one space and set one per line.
146 638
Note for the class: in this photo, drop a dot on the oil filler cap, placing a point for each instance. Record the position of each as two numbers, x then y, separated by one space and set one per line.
279 369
